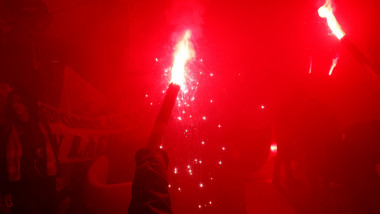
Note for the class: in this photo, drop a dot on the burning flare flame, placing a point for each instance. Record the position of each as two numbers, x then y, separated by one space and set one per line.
183 53
326 11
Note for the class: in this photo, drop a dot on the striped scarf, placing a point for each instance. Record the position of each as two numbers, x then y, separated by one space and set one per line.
14 154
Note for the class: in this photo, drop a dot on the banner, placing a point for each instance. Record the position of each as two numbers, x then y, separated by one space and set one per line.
83 139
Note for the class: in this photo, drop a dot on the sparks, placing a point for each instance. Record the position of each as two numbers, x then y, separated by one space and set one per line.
183 53
326 11
334 62
311 65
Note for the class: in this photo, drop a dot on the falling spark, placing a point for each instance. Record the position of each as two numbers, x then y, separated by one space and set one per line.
183 53
326 11
273 147
334 62
311 65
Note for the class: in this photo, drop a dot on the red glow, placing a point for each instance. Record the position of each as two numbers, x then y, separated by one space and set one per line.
326 11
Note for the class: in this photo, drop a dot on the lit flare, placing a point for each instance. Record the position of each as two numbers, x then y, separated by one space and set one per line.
183 53
326 11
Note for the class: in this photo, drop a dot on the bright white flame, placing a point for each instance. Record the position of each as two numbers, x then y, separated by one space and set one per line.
273 147
183 53
334 62
326 11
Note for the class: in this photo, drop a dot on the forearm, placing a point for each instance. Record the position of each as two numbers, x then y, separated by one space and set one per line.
150 192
